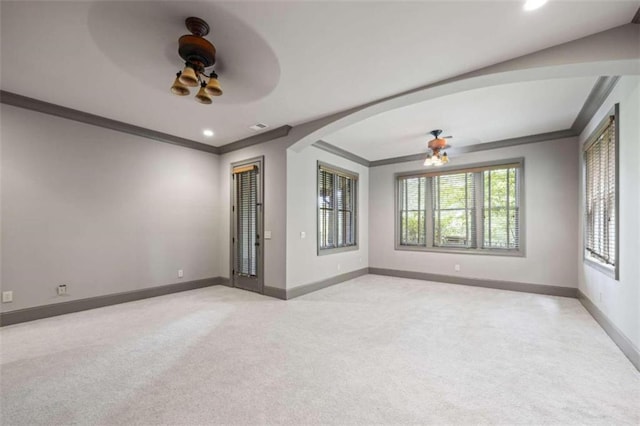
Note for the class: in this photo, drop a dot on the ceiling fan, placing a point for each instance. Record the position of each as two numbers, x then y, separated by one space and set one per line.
436 156
198 54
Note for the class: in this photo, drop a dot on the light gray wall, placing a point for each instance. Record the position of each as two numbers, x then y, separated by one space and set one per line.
304 266
275 182
551 188
101 211
619 300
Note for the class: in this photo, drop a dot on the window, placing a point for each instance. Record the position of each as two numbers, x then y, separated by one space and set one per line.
337 209
453 202
473 210
600 158
501 208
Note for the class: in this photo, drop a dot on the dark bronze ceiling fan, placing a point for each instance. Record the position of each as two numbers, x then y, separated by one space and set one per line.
198 54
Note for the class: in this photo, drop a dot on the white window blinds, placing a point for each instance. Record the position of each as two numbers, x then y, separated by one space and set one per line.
337 199
600 196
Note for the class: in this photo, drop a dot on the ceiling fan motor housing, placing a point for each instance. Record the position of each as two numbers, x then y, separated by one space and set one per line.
194 48
197 50
437 143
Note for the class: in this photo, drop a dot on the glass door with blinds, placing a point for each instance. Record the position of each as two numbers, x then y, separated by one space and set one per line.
246 239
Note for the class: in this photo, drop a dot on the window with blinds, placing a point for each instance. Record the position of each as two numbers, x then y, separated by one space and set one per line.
501 208
453 210
337 205
247 214
413 211
600 195
476 209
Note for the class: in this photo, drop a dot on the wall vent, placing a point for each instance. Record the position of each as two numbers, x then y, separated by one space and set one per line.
258 127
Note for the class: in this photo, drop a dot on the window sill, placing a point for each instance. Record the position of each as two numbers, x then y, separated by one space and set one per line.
324 252
607 270
482 252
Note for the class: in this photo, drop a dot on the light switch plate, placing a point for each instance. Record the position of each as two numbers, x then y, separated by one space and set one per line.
267 235
7 296
303 235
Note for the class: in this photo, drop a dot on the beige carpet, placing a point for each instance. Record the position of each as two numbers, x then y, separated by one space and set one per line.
372 350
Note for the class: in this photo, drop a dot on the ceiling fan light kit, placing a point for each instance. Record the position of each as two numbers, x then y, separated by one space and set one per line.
436 156
203 97
188 76
213 86
178 88
199 54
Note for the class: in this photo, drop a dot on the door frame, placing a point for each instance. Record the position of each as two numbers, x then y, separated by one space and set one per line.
260 222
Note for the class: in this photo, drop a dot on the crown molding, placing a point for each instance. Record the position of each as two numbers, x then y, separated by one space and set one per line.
20 101
32 104
599 93
636 17
325 146
276 133
540 137
396 160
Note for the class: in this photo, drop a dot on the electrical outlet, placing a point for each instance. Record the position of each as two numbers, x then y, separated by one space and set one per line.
62 290
7 296
180 273
303 235
456 268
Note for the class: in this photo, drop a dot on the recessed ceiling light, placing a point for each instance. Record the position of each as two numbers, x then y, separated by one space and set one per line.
534 4
208 133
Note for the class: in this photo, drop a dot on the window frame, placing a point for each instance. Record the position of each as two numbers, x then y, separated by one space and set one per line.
612 271
479 187
355 177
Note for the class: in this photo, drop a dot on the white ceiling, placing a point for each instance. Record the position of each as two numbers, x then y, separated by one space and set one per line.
279 62
472 117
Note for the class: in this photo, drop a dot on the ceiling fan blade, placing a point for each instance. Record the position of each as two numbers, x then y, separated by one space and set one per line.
446 137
